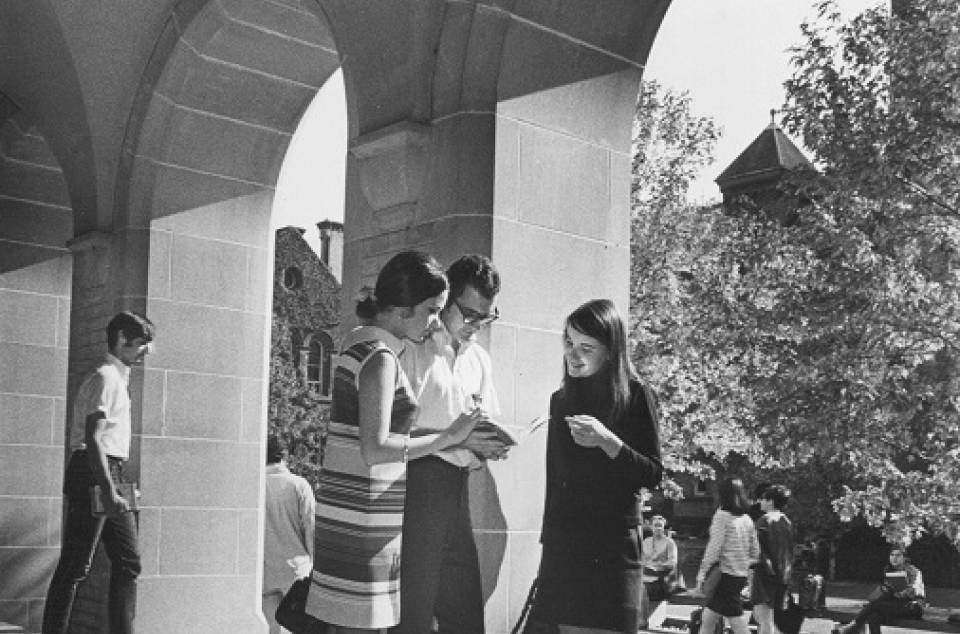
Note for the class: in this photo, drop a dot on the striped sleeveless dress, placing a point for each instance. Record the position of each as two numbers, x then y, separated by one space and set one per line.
356 576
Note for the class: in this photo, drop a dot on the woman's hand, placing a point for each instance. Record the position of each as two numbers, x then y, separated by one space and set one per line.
587 431
461 427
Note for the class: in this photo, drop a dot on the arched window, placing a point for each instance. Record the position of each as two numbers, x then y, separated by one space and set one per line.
319 364
292 278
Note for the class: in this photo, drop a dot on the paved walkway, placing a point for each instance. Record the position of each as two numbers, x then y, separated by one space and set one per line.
843 601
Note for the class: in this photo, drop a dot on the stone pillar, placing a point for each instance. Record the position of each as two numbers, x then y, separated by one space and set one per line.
92 307
203 415
386 169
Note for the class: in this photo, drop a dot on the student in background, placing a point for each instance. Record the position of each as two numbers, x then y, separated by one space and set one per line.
288 528
900 595
771 578
659 557
733 546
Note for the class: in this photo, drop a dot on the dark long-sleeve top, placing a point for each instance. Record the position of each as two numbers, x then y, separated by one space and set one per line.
775 534
587 491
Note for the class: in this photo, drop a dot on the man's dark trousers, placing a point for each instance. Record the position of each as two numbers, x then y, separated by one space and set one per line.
883 611
82 533
440 569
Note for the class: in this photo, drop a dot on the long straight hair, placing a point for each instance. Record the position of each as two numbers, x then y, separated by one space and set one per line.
733 496
600 319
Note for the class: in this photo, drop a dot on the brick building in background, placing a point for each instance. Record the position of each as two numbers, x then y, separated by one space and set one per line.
304 340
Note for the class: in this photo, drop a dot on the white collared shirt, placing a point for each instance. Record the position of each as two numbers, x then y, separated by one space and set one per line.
445 383
104 389
288 525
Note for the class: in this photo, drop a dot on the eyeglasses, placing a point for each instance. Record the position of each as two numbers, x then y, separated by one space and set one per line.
475 319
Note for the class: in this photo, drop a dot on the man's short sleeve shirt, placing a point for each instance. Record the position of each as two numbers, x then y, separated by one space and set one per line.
105 389
447 384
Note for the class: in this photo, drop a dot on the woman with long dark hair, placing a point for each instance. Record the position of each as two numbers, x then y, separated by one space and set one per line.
602 447
356 579
733 546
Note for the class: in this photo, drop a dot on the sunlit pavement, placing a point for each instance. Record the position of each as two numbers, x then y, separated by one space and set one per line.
838 609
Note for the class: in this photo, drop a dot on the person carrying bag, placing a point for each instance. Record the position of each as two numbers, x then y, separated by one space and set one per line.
733 549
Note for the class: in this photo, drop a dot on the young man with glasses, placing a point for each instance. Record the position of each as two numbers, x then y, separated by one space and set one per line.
450 375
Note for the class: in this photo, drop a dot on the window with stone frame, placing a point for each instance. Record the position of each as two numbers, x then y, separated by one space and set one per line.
319 365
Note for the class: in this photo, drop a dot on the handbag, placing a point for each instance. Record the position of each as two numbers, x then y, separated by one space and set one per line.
292 611
528 623
789 619
711 581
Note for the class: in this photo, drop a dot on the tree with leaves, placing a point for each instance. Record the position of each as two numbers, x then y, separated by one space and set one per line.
827 338
670 146
877 102
296 415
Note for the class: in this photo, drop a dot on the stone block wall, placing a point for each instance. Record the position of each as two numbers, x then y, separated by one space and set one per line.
35 274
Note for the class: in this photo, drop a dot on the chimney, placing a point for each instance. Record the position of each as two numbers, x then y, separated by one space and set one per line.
331 246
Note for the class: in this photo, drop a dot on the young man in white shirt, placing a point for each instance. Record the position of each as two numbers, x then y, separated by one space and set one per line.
288 530
659 560
450 374
100 439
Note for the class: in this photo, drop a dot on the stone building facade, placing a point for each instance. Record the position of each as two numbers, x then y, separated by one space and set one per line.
306 311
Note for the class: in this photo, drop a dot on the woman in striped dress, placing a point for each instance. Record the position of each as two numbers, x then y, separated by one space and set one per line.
356 578
733 545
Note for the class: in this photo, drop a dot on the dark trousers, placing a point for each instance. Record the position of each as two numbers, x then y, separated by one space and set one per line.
883 611
439 569
82 533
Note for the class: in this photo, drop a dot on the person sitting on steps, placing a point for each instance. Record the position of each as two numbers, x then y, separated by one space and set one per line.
900 595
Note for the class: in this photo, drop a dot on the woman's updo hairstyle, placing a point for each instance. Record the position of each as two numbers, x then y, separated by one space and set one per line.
407 279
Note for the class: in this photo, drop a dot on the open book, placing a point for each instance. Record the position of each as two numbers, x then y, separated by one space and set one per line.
513 434
895 580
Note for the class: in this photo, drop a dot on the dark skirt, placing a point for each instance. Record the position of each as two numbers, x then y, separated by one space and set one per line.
591 583
727 599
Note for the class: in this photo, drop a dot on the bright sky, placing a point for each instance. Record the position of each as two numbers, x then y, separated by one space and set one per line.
731 55
312 178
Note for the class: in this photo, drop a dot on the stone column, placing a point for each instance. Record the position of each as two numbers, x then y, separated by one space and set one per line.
386 169
203 412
